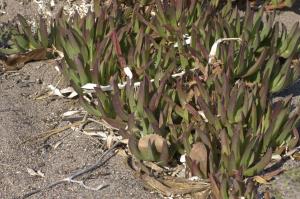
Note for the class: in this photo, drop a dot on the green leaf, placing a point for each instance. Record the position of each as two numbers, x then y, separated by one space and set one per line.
258 167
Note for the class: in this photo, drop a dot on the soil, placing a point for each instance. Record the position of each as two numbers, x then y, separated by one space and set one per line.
22 116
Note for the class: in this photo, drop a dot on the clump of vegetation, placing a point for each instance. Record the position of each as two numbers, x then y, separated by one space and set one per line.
163 74
270 4
23 39
241 130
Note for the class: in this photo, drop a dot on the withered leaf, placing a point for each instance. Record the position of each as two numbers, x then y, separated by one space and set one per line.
174 186
155 139
17 61
260 180
199 154
268 176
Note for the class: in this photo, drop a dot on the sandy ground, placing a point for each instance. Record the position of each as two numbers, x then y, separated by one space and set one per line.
22 117
290 16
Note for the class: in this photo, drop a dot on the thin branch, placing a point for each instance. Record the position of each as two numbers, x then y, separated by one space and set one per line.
47 134
84 122
102 160
291 152
103 123
283 159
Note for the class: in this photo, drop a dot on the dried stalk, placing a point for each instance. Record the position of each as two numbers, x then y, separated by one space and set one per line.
102 160
47 134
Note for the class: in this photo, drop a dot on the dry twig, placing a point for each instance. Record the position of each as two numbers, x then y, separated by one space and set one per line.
52 132
291 152
102 160
103 123
47 134
84 122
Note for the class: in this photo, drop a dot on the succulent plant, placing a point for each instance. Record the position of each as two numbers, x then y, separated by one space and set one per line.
274 3
217 110
236 130
279 71
151 147
168 26
40 38
141 114
84 42
178 23
111 43
27 43
227 117
263 50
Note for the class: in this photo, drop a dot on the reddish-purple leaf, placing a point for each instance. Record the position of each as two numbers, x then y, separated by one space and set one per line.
118 49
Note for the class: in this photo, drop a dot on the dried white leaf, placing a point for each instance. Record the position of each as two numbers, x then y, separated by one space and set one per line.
214 48
182 158
87 99
89 86
73 128
203 116
70 113
52 3
57 144
31 172
194 178
276 157
123 141
57 69
67 90
101 134
109 141
72 95
128 72
40 174
55 91
35 173
187 40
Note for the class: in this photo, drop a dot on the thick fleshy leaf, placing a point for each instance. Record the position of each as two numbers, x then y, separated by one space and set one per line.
258 167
